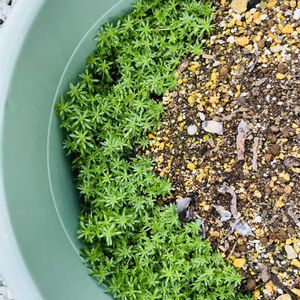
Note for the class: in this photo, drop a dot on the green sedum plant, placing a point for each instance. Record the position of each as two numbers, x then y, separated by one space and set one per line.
135 248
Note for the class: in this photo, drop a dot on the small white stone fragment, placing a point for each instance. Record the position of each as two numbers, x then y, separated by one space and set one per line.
257 219
222 24
280 291
288 13
182 204
202 116
276 49
231 39
297 14
216 63
192 130
244 229
264 17
213 127
290 251
267 52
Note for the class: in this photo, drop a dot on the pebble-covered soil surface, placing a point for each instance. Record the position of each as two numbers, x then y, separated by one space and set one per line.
5 8
230 140
4 292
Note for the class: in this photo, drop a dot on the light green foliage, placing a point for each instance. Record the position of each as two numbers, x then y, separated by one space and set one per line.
137 249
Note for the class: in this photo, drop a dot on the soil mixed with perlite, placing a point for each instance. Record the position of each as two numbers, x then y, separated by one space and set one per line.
230 139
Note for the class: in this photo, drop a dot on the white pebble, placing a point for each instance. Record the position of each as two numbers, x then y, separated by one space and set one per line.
291 253
216 63
192 130
297 14
276 49
257 219
237 16
280 291
288 13
267 52
230 39
202 116
287 57
264 17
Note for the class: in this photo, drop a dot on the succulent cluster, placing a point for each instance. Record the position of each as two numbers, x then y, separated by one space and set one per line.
135 248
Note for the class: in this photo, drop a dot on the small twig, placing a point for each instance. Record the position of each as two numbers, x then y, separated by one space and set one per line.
240 139
232 250
251 68
254 151
233 114
211 143
260 81
208 56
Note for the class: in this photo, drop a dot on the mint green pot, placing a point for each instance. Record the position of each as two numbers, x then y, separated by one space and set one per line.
43 46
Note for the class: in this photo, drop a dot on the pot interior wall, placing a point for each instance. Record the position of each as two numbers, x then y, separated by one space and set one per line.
40 190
